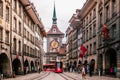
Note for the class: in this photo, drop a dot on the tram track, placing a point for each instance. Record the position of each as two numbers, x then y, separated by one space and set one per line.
66 77
41 76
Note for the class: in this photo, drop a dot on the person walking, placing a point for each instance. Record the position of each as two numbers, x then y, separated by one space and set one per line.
91 70
115 70
83 72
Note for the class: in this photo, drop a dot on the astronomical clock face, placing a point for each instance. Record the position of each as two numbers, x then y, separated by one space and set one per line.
54 44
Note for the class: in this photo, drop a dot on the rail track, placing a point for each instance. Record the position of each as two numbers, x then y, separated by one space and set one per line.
66 77
45 74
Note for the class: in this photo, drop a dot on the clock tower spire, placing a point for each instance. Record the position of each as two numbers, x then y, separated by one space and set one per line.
54 15
54 35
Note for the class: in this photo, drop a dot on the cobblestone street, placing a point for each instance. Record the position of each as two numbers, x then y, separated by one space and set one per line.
75 76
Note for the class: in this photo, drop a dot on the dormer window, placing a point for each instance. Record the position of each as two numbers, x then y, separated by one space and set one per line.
54 30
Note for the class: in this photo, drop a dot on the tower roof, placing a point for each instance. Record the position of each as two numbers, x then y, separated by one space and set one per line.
54 15
54 12
54 29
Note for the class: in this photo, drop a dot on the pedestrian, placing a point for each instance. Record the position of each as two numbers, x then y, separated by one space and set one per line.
90 70
115 70
111 70
83 72
24 70
39 70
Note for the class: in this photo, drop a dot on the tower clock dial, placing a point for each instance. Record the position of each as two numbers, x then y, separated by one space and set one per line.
54 44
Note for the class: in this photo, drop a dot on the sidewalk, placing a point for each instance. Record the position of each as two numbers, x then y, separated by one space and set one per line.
25 77
79 77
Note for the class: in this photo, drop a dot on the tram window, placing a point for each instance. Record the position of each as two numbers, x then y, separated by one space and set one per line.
59 65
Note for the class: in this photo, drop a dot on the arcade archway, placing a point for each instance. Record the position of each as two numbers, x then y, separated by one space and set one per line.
16 66
4 64
110 60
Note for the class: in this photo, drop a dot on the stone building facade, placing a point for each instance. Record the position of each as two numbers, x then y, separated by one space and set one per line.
108 47
101 34
22 34
72 39
89 32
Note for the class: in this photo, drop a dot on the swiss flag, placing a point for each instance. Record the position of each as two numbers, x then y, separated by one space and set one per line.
83 50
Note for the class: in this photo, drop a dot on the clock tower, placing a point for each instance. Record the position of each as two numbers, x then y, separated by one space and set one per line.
54 35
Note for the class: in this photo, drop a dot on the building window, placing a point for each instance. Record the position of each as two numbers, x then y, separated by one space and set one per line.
7 13
90 48
15 5
20 28
7 37
20 9
101 15
19 49
90 32
107 13
25 18
100 39
1 8
83 37
87 37
1 32
113 32
15 25
14 45
86 20
94 13
24 48
84 23
24 33
90 17
87 50
94 29
27 49
94 49
114 7
28 35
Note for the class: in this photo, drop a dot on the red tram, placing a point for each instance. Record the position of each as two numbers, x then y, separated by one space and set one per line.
49 67
58 67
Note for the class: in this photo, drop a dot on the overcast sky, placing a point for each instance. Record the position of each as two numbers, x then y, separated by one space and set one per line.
64 11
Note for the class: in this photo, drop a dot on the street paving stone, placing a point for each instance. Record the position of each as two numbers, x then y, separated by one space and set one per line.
74 75
79 77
